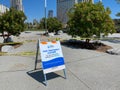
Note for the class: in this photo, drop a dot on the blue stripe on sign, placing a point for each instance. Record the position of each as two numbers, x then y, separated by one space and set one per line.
53 63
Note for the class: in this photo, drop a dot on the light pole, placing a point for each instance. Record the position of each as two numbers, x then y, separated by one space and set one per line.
45 17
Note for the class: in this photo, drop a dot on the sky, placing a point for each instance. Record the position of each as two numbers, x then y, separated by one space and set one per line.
34 9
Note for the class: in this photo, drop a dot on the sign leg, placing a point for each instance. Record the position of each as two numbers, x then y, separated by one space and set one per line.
64 73
36 56
45 79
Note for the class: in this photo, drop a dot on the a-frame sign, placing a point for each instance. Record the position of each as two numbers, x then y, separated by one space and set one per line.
51 57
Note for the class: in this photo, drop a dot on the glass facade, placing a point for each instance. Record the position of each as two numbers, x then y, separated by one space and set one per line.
3 9
62 8
50 13
17 4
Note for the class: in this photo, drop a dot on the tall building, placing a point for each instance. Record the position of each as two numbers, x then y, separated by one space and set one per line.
63 6
3 9
17 4
50 13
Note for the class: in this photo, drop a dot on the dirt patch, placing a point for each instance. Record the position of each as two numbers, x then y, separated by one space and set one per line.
103 48
17 45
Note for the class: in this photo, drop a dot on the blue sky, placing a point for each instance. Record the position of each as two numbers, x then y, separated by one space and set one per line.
34 9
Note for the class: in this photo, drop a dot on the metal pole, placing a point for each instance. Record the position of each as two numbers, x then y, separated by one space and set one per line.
36 55
45 79
45 17
65 73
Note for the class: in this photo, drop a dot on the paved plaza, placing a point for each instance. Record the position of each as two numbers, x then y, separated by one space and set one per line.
85 69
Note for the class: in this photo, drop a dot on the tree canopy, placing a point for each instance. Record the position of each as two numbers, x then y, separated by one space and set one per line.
87 19
117 25
42 23
52 24
12 22
118 14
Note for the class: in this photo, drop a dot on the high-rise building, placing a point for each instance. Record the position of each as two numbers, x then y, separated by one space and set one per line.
3 9
17 4
50 13
63 6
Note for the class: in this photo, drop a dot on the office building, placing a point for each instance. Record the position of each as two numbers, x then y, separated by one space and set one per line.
50 13
17 4
63 6
3 9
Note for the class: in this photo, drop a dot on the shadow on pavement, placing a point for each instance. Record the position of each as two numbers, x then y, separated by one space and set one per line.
38 75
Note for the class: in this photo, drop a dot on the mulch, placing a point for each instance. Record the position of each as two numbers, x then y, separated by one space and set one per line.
98 46
103 48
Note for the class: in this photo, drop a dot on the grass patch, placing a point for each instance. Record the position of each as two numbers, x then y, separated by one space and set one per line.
54 39
30 41
11 43
27 53
2 53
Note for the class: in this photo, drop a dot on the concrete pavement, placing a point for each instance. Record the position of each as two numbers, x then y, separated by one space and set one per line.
19 75
86 70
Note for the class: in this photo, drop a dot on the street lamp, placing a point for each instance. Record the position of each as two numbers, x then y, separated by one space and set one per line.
45 17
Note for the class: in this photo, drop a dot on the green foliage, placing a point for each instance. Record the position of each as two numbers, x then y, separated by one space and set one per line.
88 19
42 23
117 24
118 14
52 24
28 25
12 22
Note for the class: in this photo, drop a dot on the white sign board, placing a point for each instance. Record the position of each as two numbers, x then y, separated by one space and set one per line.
52 57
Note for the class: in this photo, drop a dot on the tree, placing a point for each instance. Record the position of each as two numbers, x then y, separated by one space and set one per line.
52 24
117 24
87 19
35 24
42 23
12 22
118 14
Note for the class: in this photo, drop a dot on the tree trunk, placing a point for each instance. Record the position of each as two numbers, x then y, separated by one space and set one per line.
3 35
6 38
87 40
